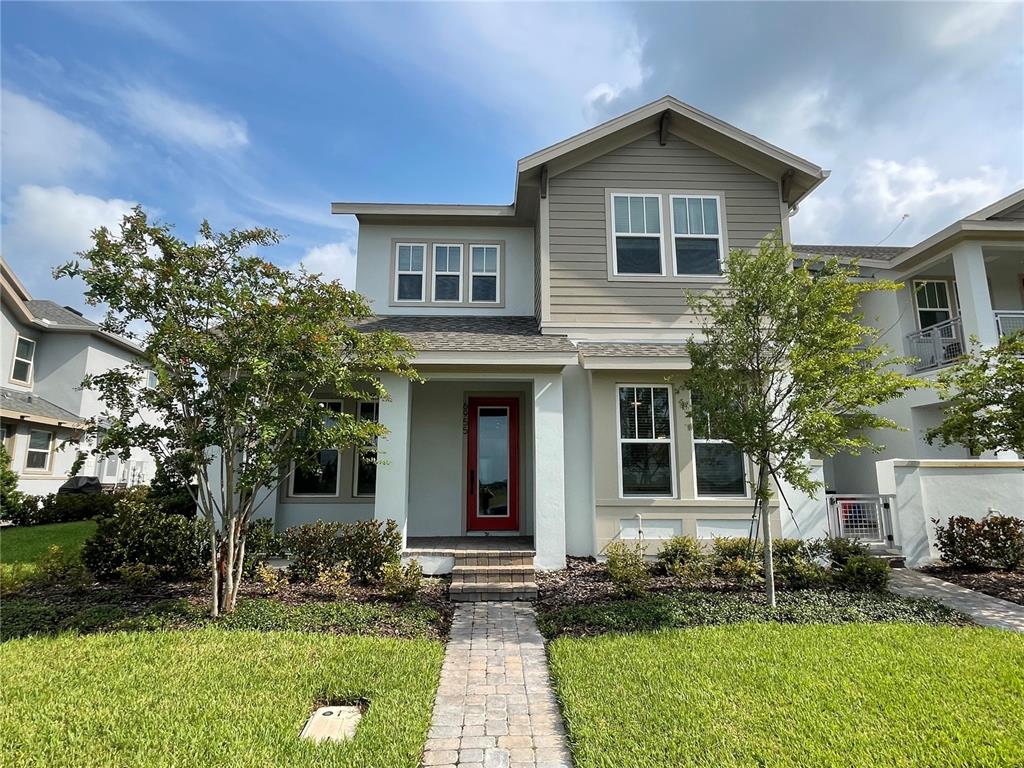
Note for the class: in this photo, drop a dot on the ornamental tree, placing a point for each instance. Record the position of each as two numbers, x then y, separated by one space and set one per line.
985 399
236 355
785 366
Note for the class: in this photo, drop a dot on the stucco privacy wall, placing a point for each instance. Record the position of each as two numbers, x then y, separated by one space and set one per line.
581 292
939 489
685 514
437 460
373 267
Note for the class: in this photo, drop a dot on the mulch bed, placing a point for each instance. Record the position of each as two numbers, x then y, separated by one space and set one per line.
1008 585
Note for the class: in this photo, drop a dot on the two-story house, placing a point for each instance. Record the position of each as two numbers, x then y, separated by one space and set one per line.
47 349
546 331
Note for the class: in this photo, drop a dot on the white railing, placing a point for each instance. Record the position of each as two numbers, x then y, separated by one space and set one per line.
1008 323
937 345
867 518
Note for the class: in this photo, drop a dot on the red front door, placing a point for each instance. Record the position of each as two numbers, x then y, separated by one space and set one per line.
492 466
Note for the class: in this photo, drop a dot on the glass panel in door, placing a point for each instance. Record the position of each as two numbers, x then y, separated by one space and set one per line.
492 462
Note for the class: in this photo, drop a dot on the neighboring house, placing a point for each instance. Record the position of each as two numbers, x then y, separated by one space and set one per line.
546 331
962 283
47 350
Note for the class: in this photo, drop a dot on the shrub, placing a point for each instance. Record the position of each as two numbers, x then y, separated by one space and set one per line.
335 580
839 550
312 548
740 571
60 566
72 507
271 579
693 572
14 505
138 577
680 550
15 577
168 490
402 583
139 532
795 565
862 573
627 568
1003 537
728 548
368 545
261 542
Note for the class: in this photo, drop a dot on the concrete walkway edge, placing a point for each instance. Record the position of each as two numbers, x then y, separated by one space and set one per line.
495 707
984 609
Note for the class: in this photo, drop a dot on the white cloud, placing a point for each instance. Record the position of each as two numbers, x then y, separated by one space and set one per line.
182 122
42 146
968 23
46 226
335 261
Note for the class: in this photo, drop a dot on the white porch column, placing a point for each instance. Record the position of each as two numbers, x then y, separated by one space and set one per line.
549 472
972 291
392 495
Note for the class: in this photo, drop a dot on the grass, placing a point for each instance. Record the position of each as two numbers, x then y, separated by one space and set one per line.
703 608
211 698
776 695
26 544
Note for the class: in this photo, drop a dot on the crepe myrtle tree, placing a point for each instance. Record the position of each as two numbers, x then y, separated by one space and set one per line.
240 351
985 399
785 367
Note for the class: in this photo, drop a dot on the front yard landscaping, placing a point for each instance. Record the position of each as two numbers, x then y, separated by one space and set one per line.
25 544
789 695
211 698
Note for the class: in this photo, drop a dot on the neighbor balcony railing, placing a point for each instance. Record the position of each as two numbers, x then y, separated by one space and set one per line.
867 518
937 345
1009 322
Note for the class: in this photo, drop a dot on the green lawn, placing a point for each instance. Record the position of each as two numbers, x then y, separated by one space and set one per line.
794 695
26 544
211 698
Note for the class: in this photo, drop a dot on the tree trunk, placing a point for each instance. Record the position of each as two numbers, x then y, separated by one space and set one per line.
766 531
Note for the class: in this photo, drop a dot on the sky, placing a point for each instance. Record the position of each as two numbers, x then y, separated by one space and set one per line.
263 114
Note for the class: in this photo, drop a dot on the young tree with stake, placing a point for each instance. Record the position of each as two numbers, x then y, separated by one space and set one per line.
242 352
785 367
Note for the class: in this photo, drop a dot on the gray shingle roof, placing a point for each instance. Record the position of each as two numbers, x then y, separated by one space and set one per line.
621 349
882 253
58 316
34 405
470 333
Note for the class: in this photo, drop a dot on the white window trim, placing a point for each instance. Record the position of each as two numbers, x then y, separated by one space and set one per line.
434 272
671 440
496 274
745 464
355 456
660 235
951 299
337 479
719 237
31 362
422 274
29 450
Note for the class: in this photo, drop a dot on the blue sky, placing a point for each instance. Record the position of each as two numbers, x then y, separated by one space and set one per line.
250 113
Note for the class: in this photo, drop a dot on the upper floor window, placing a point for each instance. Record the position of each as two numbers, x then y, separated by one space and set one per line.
696 235
646 458
484 273
636 241
24 357
720 467
447 273
410 271
322 480
934 301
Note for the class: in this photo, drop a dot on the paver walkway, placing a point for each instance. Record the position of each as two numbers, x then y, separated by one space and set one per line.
984 609
495 707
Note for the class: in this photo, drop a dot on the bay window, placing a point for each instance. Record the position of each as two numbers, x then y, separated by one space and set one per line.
646 457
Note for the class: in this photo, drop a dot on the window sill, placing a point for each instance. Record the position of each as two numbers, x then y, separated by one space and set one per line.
710 279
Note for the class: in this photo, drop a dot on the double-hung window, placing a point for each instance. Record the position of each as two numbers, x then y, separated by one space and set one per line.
934 302
636 238
322 478
696 235
448 273
646 458
483 273
40 444
24 355
720 466
410 271
366 459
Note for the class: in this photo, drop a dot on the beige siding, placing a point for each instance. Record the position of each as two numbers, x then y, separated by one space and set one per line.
580 289
1013 214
